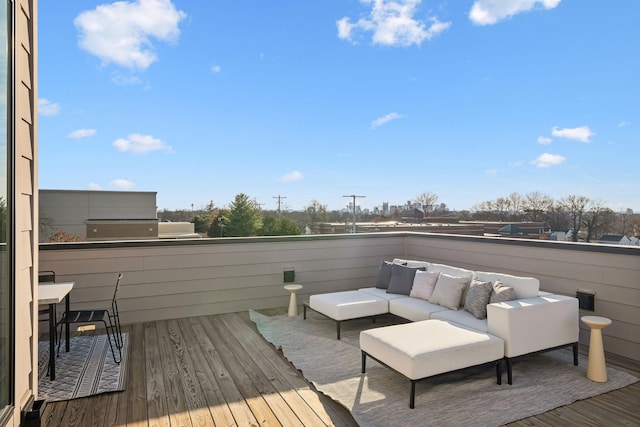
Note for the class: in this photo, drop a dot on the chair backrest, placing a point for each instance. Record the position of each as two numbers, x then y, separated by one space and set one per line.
46 276
115 292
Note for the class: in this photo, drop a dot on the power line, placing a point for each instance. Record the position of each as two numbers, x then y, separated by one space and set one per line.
353 196
279 200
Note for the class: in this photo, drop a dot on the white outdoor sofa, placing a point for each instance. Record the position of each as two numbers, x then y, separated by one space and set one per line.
529 321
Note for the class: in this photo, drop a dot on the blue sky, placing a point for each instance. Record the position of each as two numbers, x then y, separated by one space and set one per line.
470 100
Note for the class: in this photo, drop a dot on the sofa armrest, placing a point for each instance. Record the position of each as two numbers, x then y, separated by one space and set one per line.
534 324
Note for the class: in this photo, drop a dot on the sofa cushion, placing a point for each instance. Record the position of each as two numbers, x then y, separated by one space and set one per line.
401 279
417 264
454 271
524 287
413 309
384 275
423 284
477 298
501 293
382 293
462 317
448 291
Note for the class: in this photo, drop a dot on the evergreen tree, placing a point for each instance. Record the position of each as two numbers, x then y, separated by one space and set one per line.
244 219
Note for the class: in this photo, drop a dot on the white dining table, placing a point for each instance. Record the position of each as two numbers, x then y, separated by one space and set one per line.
52 294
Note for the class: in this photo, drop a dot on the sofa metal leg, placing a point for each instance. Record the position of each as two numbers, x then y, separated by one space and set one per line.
364 362
499 372
338 329
304 311
575 353
412 397
509 371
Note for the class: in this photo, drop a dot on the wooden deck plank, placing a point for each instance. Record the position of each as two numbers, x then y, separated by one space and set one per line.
156 402
196 404
176 401
218 347
212 393
338 414
74 413
282 376
237 405
136 386
291 408
260 408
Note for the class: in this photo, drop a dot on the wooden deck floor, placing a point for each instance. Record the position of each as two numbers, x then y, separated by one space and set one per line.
218 370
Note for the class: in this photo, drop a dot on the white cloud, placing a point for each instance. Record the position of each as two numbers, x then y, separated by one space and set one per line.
292 176
94 186
136 143
491 172
623 124
121 32
392 24
121 184
385 119
216 69
547 160
48 108
544 140
516 164
489 12
125 80
581 134
82 133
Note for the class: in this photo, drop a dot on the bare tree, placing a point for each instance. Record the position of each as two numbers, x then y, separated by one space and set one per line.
516 203
427 201
597 221
575 207
536 205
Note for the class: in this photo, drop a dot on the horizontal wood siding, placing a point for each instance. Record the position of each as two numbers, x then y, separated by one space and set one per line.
613 274
216 276
168 280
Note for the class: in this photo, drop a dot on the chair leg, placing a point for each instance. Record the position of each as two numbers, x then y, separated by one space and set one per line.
111 331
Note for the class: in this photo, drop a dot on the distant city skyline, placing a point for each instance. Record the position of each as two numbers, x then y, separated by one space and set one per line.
471 101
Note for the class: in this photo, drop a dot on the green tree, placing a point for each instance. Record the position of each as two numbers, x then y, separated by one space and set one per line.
274 226
245 218
218 223
289 228
270 225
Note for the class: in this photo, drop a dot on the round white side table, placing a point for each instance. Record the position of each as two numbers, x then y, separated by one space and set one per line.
293 304
597 367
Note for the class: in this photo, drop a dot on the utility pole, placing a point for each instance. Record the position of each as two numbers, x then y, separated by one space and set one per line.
279 200
353 196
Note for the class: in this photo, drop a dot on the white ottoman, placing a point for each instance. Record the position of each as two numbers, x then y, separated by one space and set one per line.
430 347
346 305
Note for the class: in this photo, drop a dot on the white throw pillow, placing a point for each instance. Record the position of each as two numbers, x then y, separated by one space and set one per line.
448 291
423 284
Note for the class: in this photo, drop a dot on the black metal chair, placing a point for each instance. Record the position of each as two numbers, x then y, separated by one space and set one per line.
44 277
110 319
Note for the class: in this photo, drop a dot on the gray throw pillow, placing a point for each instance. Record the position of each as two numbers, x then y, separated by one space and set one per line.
477 298
384 275
501 293
402 279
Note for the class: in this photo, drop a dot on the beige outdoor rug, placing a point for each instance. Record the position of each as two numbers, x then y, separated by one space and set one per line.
87 369
470 397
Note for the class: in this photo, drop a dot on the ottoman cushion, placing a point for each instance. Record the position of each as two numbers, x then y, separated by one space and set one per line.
348 305
421 349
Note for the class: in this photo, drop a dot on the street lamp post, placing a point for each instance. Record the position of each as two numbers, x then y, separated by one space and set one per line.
353 196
